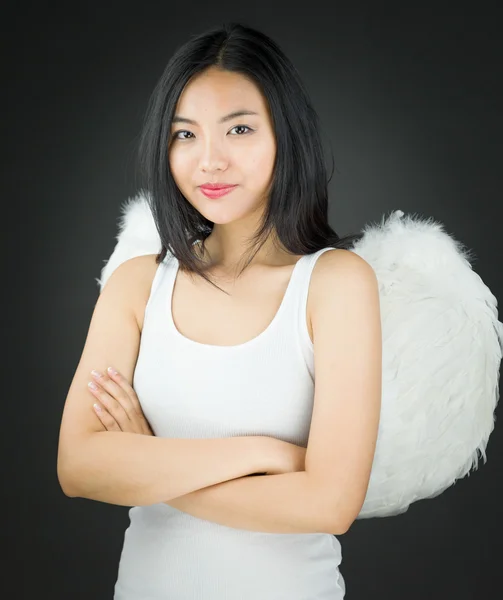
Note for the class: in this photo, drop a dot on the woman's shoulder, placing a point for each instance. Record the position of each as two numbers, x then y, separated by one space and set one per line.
333 267
338 258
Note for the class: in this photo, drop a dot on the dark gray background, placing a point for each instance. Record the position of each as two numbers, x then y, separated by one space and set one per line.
410 98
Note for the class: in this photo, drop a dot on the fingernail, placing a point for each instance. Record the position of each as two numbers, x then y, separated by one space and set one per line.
112 371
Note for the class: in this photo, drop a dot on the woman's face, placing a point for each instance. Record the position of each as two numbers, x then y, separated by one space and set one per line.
239 151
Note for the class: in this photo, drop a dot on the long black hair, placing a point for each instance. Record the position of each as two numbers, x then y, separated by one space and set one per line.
297 209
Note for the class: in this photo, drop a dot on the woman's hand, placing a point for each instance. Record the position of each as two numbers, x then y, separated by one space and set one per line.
118 408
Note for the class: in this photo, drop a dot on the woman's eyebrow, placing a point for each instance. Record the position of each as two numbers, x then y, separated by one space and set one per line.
232 115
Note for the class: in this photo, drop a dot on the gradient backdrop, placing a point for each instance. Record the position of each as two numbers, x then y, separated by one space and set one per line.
410 98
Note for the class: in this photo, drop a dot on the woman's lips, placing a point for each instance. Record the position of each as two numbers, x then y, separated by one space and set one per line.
217 193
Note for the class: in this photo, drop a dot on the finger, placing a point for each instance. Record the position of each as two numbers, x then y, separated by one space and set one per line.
106 418
138 417
117 392
146 429
124 384
113 407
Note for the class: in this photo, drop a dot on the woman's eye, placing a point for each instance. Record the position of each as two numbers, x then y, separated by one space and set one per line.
242 127
175 135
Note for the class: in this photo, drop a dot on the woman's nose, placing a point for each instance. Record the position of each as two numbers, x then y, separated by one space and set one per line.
213 156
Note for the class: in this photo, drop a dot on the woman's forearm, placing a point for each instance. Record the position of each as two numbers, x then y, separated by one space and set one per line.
128 469
284 503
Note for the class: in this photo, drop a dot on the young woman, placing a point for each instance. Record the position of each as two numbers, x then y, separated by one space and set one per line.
215 343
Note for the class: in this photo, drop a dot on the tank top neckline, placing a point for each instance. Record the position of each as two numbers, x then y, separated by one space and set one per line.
226 348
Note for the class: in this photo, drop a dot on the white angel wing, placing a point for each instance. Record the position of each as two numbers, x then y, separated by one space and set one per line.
137 235
442 347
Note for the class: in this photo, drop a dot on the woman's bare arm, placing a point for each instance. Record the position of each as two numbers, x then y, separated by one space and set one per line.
126 468
136 470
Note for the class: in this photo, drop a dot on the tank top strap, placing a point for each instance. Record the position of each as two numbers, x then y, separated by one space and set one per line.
300 296
306 267
160 274
160 282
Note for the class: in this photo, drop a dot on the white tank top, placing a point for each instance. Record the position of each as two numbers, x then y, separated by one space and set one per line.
188 389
